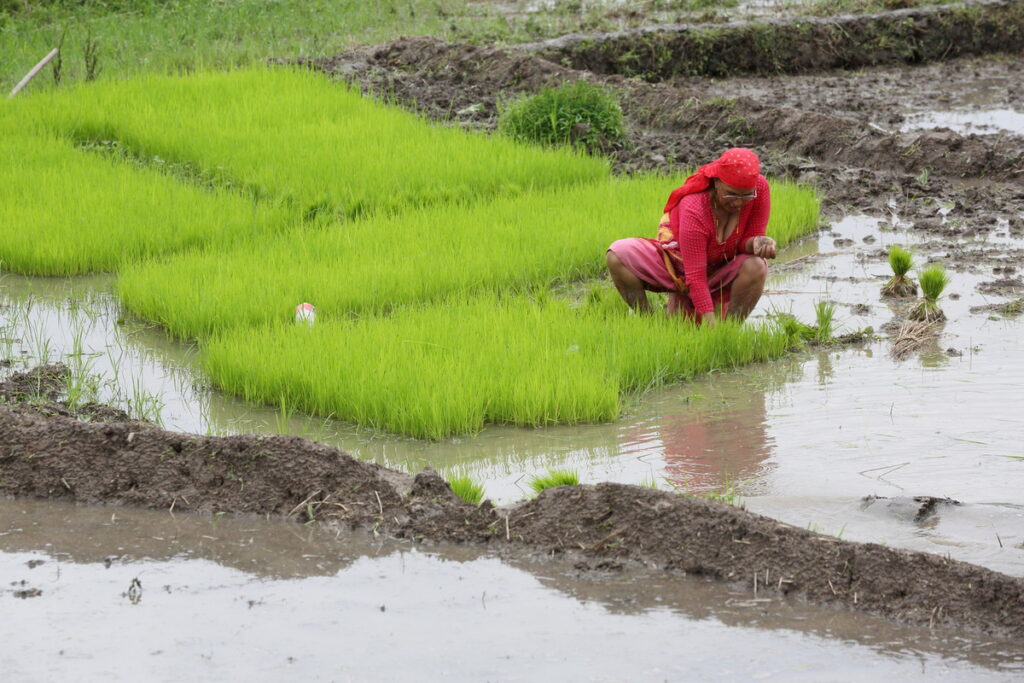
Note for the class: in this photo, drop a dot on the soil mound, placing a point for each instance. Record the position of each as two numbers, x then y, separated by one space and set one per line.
795 44
606 526
672 127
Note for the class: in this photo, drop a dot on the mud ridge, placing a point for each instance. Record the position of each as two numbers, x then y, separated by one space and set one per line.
791 45
611 526
672 127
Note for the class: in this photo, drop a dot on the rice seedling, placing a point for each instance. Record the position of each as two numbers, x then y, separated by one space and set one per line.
933 281
824 314
529 241
649 482
443 370
468 490
87 214
296 135
899 285
554 478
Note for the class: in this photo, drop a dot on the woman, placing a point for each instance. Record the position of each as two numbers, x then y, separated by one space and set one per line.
711 247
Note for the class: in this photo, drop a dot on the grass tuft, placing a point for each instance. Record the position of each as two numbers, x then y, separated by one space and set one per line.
467 489
576 114
554 478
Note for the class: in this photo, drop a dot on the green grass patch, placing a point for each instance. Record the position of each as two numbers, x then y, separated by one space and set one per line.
296 135
554 478
65 212
449 369
575 114
373 265
467 489
172 36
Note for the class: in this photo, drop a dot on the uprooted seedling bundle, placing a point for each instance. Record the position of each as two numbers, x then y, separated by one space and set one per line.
933 281
900 285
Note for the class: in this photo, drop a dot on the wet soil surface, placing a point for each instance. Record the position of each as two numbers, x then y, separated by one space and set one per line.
784 44
607 527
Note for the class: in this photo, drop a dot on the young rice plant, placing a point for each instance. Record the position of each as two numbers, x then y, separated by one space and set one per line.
933 282
294 134
65 212
554 478
449 369
900 285
467 489
511 243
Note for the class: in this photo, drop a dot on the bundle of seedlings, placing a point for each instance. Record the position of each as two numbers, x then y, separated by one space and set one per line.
899 285
912 335
933 282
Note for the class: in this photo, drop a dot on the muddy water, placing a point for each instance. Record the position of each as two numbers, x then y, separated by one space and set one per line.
134 595
804 439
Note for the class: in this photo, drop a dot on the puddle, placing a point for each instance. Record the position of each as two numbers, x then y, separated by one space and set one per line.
803 439
965 121
129 595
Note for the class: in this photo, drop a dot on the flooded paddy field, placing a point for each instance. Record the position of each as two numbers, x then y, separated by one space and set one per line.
919 453
121 593
807 439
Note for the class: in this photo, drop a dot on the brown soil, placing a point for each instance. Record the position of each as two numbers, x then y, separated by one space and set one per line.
795 44
603 526
860 166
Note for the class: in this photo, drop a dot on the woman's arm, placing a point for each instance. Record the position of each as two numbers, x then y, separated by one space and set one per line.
693 248
755 227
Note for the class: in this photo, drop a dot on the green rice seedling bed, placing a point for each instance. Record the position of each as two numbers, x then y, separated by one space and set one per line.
65 212
445 370
372 265
295 134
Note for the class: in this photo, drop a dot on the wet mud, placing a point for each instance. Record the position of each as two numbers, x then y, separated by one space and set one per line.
607 527
795 44
858 163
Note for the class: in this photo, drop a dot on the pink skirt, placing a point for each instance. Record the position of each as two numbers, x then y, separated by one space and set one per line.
644 259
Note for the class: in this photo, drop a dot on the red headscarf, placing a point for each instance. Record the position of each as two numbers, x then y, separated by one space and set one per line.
738 167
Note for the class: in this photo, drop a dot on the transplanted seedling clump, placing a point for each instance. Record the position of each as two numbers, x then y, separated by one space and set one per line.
554 478
467 489
900 285
933 282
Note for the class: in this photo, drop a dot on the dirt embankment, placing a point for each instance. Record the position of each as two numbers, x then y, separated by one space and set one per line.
45 454
794 44
465 83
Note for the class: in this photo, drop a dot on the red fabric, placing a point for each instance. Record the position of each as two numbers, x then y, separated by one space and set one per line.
643 258
693 227
738 167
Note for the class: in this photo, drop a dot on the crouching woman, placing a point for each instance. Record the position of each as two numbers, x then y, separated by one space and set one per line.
711 247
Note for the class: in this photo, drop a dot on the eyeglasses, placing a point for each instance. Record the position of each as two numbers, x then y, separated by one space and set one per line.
743 197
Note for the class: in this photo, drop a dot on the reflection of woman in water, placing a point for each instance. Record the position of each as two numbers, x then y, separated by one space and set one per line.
711 246
705 449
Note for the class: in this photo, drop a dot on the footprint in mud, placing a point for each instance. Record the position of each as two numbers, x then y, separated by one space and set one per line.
916 509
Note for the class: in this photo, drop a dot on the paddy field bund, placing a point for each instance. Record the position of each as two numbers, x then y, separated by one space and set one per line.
431 253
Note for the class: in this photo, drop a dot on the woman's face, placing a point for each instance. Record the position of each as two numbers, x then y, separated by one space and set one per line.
731 198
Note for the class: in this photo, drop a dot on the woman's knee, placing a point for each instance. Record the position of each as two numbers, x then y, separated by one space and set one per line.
754 269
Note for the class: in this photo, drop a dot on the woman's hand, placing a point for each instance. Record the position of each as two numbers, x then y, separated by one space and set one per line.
763 247
709 319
